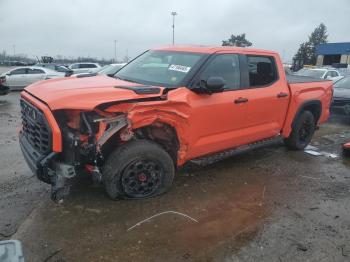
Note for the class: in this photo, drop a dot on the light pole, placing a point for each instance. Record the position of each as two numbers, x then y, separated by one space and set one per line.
173 14
115 51
14 50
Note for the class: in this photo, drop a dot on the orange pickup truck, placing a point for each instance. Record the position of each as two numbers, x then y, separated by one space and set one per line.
168 106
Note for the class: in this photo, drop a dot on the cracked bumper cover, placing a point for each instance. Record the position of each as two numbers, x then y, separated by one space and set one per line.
36 162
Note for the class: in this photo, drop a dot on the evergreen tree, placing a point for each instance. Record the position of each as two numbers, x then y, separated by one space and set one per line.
237 40
306 53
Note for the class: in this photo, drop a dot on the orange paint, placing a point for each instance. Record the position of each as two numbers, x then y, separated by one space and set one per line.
204 123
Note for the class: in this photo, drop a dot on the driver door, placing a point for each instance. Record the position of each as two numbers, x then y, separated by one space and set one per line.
218 120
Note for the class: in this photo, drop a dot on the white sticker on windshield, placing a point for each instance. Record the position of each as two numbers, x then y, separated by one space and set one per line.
180 68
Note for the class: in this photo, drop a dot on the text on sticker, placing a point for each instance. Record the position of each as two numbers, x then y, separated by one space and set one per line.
180 68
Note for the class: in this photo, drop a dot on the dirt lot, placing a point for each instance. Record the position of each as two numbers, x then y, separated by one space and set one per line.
268 205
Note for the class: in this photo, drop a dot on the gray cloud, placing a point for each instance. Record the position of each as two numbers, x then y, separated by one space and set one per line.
88 28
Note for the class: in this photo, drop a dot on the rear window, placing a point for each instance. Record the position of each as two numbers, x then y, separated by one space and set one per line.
87 66
35 71
311 73
262 70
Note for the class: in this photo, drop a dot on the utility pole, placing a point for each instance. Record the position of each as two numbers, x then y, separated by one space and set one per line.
115 51
173 14
14 50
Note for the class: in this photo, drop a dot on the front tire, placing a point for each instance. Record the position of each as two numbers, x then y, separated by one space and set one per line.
302 132
138 169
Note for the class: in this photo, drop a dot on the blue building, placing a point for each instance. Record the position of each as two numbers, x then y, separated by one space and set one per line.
331 53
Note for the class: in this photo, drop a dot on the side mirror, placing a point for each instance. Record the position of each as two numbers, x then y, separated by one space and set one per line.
215 84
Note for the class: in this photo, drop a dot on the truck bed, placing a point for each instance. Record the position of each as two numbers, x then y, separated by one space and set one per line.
292 79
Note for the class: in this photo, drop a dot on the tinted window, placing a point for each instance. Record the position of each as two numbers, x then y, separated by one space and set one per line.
19 71
51 66
35 71
225 66
316 73
61 69
75 66
87 66
262 70
333 73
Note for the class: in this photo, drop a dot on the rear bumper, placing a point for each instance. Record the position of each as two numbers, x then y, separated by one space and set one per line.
39 164
4 90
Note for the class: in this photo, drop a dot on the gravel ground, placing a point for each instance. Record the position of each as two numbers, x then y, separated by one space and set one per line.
268 205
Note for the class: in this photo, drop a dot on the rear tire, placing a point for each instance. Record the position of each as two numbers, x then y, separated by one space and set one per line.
302 132
138 169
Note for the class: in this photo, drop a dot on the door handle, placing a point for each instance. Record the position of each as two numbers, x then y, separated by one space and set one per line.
282 94
241 100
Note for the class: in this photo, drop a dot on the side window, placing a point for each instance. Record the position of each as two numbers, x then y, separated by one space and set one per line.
225 66
329 74
262 70
334 73
35 71
19 71
87 66
75 66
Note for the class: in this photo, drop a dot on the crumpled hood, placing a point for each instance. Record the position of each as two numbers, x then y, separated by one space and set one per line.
85 92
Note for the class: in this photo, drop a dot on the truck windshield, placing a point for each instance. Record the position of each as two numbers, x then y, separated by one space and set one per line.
160 68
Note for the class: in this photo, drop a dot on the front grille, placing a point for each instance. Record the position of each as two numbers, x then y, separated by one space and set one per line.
36 128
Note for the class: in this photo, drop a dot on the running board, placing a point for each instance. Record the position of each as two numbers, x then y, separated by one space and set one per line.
207 160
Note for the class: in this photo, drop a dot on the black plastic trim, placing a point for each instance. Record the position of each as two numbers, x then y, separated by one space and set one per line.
142 90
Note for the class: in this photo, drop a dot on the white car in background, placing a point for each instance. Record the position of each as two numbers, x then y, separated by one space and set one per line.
84 67
323 73
111 69
20 77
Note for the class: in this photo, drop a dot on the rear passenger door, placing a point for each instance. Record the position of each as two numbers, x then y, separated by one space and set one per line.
268 97
34 75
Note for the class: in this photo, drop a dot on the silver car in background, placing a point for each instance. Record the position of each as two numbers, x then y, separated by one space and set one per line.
111 69
84 67
20 77
323 73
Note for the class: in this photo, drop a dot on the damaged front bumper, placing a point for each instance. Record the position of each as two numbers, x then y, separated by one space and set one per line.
37 163
48 168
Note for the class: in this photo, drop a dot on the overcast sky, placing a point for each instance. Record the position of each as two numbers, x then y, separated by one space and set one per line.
89 27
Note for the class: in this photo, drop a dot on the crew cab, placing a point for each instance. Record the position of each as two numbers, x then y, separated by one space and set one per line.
168 106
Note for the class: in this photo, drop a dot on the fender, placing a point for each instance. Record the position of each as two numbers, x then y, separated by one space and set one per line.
306 104
290 123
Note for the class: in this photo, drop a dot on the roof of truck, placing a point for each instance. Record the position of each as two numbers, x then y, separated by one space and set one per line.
212 49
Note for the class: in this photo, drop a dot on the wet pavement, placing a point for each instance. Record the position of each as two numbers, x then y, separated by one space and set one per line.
268 205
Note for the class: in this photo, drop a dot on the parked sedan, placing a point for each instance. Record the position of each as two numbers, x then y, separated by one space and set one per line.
324 73
341 96
56 67
18 78
84 67
4 90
